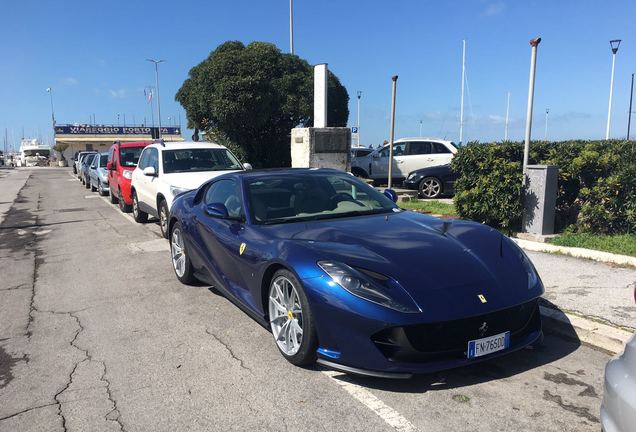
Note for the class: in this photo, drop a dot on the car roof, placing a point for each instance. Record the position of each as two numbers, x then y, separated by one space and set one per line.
134 143
422 139
283 171
182 145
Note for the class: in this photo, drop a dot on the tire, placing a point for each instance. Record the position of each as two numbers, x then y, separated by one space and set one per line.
100 188
113 198
138 215
430 187
164 218
125 208
93 188
285 309
87 184
178 253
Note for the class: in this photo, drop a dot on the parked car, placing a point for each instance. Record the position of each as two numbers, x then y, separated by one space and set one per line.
432 182
341 275
618 410
97 174
409 154
360 151
168 169
78 161
123 158
83 168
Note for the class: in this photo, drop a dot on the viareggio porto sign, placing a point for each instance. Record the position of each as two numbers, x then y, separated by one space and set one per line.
114 130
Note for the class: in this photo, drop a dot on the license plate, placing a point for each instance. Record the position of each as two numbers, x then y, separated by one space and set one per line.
488 345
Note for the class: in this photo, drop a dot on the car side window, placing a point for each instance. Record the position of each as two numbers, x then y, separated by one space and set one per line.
419 148
228 193
398 150
143 159
440 148
153 159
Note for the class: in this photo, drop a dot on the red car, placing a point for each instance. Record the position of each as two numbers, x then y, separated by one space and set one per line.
122 160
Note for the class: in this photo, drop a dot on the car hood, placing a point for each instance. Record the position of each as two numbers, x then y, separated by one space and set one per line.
439 263
191 180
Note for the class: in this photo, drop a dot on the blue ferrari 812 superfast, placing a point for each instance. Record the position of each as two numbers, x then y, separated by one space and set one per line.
344 277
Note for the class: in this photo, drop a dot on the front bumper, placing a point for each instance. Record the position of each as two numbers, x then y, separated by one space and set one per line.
125 187
353 342
618 410
413 183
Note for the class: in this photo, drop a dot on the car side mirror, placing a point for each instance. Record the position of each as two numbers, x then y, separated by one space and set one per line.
217 210
109 166
247 166
391 194
375 155
150 171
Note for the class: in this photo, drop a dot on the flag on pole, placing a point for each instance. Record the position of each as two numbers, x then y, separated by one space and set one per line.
148 95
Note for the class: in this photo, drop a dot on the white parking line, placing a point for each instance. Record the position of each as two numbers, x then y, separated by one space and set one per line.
368 399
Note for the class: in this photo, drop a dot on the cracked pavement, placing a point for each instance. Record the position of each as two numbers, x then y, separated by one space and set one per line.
96 334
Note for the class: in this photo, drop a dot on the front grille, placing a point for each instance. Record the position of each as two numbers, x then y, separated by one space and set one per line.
449 339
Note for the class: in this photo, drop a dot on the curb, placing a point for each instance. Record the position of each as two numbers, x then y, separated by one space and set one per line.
601 336
605 257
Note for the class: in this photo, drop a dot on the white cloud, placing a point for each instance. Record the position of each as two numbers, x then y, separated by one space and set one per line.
117 93
71 81
494 8
496 119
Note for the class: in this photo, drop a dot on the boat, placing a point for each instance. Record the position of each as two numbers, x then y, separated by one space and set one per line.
34 153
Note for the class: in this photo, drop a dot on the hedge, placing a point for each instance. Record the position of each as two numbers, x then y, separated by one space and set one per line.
597 184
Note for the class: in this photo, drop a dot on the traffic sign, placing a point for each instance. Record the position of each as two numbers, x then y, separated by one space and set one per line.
354 129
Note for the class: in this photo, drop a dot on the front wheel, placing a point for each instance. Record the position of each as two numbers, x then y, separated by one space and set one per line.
291 320
140 216
164 215
430 187
180 260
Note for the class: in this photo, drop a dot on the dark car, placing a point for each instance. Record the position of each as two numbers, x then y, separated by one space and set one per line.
343 276
84 167
432 182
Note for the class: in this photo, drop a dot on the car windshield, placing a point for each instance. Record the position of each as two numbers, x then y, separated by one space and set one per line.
282 198
89 159
201 159
129 156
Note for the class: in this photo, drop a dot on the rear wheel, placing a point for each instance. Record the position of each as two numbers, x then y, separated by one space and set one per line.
140 216
180 260
291 320
430 187
87 183
164 215
122 204
113 198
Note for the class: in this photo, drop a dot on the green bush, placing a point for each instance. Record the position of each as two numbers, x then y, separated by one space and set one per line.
597 184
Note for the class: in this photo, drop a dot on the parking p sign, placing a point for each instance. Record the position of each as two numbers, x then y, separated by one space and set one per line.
354 129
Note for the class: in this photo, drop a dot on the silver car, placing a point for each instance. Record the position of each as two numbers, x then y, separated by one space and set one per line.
618 411
77 163
97 174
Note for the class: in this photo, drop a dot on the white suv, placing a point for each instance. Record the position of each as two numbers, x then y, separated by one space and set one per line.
409 154
168 169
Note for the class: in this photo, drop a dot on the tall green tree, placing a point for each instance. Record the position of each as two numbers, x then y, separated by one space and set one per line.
250 97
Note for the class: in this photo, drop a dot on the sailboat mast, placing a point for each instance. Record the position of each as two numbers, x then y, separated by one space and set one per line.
461 109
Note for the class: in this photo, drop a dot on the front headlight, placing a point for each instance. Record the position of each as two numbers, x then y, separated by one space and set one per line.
411 176
365 287
127 174
177 190
533 278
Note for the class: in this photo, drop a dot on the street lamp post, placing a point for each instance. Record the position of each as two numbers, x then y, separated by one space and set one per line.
291 27
420 128
49 90
507 117
629 113
394 79
545 135
614 44
358 124
156 62
534 43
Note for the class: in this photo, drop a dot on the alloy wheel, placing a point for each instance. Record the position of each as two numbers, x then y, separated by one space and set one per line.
286 315
430 187
163 220
178 252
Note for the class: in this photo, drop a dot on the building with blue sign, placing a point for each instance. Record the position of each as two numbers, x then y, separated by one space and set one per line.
82 137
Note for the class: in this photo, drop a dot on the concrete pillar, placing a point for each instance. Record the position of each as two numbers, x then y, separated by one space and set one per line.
539 200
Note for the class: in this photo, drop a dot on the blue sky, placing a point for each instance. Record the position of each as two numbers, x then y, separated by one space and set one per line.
93 56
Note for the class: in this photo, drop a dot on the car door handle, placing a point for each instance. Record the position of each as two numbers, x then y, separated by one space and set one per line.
399 161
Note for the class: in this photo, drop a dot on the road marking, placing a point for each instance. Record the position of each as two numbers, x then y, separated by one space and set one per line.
90 196
159 245
368 399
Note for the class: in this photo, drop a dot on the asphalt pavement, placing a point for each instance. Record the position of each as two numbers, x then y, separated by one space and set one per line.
96 333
